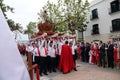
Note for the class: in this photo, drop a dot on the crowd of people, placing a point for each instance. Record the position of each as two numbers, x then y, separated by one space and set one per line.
101 54
53 54
22 49
62 54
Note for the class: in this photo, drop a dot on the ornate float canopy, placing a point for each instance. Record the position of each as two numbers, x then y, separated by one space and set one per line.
47 28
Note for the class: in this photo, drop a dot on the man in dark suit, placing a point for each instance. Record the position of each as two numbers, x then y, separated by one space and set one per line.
110 54
83 51
102 53
87 49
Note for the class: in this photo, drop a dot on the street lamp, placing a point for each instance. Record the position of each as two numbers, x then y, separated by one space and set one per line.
82 27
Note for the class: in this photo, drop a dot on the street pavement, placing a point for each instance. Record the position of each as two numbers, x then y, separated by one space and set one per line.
85 72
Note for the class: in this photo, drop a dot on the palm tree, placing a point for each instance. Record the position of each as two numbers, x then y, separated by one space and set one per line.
30 29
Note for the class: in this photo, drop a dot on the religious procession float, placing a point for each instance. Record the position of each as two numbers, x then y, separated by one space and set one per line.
46 29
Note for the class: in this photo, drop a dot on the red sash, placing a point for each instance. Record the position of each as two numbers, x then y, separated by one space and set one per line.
46 51
38 51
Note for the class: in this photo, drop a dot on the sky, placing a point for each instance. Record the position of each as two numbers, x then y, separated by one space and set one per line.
26 10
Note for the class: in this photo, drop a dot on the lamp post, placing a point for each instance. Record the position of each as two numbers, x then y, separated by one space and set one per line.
82 27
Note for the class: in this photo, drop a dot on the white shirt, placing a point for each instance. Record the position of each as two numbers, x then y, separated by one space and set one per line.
51 52
42 51
29 48
60 47
73 48
35 51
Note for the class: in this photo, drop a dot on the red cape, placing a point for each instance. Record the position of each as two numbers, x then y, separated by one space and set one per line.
66 63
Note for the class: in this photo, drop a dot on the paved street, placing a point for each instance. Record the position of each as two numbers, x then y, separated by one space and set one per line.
85 72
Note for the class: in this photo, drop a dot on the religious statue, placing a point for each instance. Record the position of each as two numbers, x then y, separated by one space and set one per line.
46 27
45 15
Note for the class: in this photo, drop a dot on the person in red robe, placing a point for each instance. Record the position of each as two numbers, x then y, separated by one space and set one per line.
116 55
66 63
93 54
96 53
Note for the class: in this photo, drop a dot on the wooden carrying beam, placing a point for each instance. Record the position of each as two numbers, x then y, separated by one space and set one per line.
32 67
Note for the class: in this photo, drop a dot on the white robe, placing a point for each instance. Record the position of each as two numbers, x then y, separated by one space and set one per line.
90 56
12 66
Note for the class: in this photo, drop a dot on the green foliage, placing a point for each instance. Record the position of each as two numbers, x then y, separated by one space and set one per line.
67 14
54 15
30 29
14 26
5 8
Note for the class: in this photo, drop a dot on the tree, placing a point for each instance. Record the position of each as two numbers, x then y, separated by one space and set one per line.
13 26
68 14
31 29
5 8
75 12
54 15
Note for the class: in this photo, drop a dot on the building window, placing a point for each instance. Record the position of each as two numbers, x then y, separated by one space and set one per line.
115 6
94 14
116 24
95 29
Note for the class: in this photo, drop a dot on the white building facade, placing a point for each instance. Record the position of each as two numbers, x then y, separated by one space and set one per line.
20 38
104 20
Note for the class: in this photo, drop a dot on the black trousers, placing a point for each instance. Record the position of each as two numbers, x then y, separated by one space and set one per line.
110 61
83 56
74 58
43 65
57 61
102 59
48 63
52 65
87 56
37 59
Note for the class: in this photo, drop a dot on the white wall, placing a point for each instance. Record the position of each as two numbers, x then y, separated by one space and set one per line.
104 20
